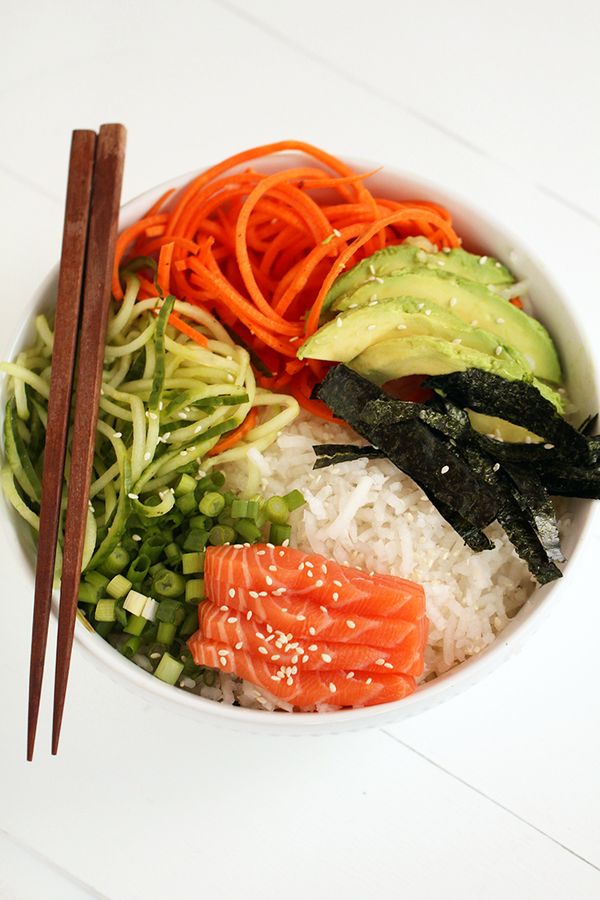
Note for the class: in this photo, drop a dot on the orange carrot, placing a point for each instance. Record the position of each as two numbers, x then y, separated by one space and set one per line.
163 273
231 439
186 329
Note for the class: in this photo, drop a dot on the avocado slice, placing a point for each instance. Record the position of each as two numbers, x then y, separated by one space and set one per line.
476 305
398 357
353 331
409 255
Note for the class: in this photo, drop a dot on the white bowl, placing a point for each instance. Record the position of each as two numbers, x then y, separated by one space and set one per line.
480 232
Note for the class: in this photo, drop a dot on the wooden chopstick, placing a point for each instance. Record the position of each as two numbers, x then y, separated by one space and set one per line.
106 194
75 232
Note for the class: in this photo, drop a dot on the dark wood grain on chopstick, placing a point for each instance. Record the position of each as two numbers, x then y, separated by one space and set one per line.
106 193
75 231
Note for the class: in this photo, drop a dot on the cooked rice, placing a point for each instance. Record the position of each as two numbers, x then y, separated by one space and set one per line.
367 514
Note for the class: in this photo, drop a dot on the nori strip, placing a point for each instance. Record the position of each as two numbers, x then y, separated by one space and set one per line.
561 480
515 522
331 454
394 427
535 501
516 401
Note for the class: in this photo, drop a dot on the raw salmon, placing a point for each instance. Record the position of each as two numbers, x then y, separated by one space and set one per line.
303 689
309 653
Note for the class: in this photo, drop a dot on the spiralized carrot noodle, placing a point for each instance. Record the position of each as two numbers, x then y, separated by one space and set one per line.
262 249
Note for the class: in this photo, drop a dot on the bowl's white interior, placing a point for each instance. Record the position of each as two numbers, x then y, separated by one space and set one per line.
479 233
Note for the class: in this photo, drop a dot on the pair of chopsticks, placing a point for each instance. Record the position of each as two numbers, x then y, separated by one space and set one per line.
89 234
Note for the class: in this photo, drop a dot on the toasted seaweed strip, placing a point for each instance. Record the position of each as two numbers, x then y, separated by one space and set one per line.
515 401
562 480
394 427
331 454
516 523
535 501
588 424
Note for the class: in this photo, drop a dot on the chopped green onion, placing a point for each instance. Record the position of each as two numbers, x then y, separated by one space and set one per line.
190 624
201 523
248 530
194 590
166 633
192 563
155 569
135 602
168 669
105 610
97 580
245 509
186 503
118 587
138 569
276 510
153 547
195 540
168 584
135 625
212 504
88 594
103 628
278 534
115 562
185 485
221 534
173 553
131 646
210 677
294 500
167 611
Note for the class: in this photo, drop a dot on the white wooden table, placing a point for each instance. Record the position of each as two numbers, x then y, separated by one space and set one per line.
496 793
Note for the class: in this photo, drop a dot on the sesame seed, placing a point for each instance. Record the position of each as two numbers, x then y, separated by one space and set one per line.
249 615
263 650
335 596
319 583
350 675
224 608
136 537
457 341
371 269
483 260
232 592
495 467
548 446
453 301
223 652
309 573
275 678
282 552
232 620
350 623
305 658
155 655
499 321
295 658
323 609
313 647
339 322
289 680
275 657
427 312
371 327
332 687
300 617
379 662
272 568
326 657
133 496
183 453
337 232
269 629
260 552
253 594
337 583
269 580
309 565
147 457
498 350
388 665
369 681
312 632
259 635
445 469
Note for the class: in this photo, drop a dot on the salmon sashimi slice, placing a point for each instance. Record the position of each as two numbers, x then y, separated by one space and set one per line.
308 653
300 617
267 568
303 689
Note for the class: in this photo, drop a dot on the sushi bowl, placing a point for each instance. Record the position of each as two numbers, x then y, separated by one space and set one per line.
555 311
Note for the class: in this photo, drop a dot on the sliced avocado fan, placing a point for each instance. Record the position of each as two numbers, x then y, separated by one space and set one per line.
409 255
475 304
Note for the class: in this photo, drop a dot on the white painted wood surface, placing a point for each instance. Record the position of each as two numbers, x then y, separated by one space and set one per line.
494 794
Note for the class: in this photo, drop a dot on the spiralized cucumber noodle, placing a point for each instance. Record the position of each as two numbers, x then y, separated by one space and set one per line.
165 403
